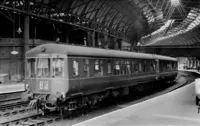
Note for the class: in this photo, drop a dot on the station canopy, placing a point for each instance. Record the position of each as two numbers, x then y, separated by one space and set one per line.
140 22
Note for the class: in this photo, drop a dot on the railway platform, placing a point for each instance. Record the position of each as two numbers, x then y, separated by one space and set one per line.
174 108
11 88
11 92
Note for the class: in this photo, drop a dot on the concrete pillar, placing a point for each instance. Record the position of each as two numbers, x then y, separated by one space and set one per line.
26 40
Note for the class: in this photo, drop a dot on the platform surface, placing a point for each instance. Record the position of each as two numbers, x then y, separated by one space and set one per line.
10 88
174 108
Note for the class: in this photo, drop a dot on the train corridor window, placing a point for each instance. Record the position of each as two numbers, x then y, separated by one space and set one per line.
153 66
134 68
169 66
99 67
109 67
123 67
31 67
43 67
58 67
174 66
117 68
86 67
140 68
147 66
128 67
75 68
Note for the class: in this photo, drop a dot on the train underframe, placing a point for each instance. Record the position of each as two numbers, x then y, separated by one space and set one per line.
62 104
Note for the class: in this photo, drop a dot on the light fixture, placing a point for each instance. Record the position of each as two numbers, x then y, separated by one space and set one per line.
175 2
19 30
14 52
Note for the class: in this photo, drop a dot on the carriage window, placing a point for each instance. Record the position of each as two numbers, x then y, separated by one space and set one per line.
140 67
154 65
97 64
135 67
109 67
99 67
174 66
169 66
122 65
58 67
31 67
43 67
75 68
117 68
86 67
147 65
128 67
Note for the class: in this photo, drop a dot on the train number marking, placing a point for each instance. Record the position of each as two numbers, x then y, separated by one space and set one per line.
44 85
41 85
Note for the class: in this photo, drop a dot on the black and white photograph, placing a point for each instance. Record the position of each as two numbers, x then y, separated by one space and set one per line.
99 62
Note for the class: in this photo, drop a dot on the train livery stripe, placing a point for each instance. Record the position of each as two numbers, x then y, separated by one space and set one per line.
110 76
137 75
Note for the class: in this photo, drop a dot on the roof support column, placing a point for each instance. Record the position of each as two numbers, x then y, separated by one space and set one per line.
116 43
105 40
98 40
90 39
26 40
120 41
67 35
93 39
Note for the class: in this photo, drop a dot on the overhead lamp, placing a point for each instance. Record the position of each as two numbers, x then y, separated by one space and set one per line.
14 52
19 30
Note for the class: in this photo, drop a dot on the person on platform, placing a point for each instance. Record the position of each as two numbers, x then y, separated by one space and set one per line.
198 68
198 106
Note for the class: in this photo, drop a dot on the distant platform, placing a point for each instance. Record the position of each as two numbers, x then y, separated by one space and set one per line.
174 108
190 70
11 88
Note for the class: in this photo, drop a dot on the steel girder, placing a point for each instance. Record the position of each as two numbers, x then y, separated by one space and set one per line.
111 17
184 17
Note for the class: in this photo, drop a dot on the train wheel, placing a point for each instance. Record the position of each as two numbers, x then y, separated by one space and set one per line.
197 100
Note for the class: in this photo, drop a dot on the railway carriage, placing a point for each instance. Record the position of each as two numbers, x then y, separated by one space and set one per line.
76 76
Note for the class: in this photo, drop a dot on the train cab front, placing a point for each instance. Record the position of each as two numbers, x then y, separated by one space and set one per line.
45 79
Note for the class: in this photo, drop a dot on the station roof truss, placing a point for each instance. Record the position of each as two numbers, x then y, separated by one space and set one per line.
181 24
146 21
115 18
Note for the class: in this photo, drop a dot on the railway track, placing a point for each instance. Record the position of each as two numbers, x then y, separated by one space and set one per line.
4 98
12 106
31 117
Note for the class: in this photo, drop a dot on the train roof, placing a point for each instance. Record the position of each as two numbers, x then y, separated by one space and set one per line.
90 51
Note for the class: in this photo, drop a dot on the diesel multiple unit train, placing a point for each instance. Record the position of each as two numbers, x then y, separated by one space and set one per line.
70 77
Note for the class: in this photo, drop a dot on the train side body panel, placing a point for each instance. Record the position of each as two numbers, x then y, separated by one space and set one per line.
77 80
